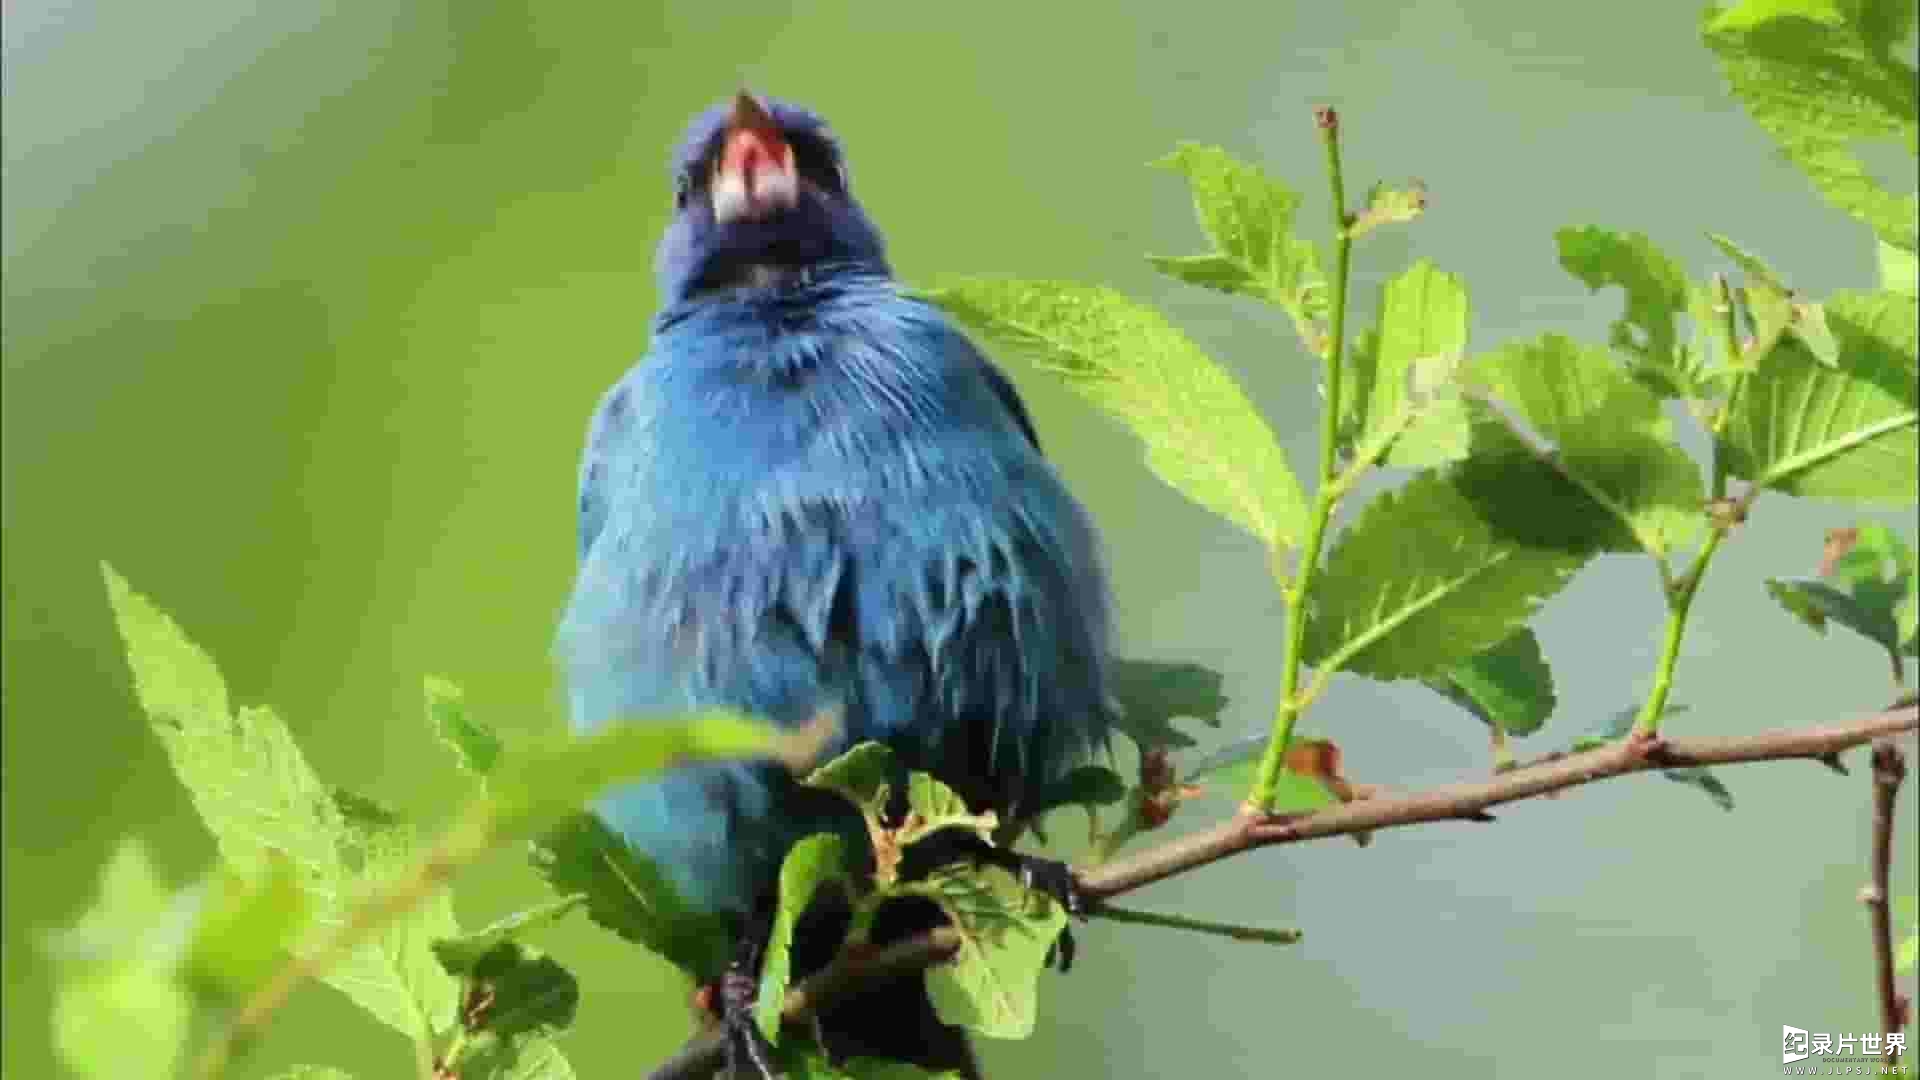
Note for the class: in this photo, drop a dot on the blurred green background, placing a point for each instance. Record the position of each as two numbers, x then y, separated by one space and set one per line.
306 305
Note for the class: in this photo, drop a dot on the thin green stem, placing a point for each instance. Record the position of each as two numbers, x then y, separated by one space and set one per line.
1265 935
1679 605
1267 779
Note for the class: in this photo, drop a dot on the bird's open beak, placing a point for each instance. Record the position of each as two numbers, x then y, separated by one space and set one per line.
754 177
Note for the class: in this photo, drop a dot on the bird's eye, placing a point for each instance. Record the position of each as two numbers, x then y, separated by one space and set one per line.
682 190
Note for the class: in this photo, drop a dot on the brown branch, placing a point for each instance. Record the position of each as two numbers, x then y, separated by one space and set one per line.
1456 802
1889 770
1468 802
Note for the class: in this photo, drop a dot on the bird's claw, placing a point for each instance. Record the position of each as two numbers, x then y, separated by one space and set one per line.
748 1052
1055 879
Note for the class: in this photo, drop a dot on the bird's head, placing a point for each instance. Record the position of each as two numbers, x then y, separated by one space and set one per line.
760 197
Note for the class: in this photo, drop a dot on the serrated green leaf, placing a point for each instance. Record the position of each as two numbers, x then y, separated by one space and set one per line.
810 864
1420 582
130 902
933 806
541 783
1816 603
864 776
1619 724
1152 694
532 1057
1656 291
1899 269
1203 436
460 955
1230 768
1613 478
119 1021
1509 686
257 794
1844 434
518 991
474 744
1773 312
1249 217
991 986
118 1009
1412 360
630 894
1818 88
244 933
1087 785
1389 206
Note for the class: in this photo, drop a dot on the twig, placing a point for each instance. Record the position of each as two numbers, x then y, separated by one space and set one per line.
1889 770
1261 934
1266 779
1457 802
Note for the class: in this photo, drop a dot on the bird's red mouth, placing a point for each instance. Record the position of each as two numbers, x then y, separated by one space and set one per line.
754 176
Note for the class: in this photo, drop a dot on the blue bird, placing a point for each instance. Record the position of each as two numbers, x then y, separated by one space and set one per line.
814 493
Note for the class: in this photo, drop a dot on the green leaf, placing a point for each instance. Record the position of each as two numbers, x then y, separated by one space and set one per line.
1420 582
532 1057
1815 602
118 1009
1753 13
1820 87
257 794
1088 785
130 903
811 863
1656 291
992 983
1249 217
1230 766
517 991
1868 587
1151 694
1389 206
1613 479
630 894
517 1000
474 744
1410 363
1509 686
1899 269
460 955
933 806
1699 777
864 775
120 1021
1203 437
1843 434
542 783
1774 311
245 932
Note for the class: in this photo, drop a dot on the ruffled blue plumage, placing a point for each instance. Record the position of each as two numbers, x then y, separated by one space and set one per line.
817 493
